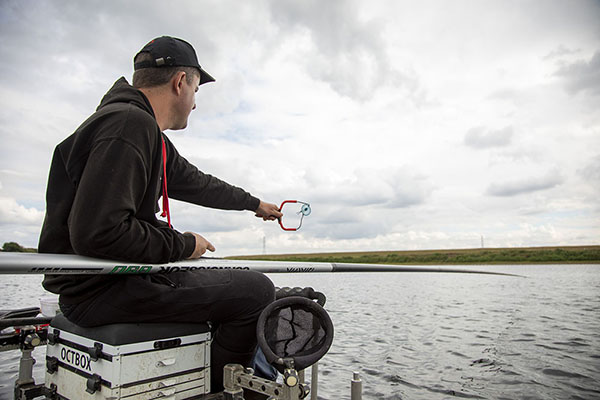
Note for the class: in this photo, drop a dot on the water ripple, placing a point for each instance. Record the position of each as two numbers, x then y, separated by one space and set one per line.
436 336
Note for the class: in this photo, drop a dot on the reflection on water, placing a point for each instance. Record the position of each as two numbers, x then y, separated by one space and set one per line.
437 336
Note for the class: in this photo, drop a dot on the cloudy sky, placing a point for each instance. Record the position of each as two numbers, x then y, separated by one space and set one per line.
405 125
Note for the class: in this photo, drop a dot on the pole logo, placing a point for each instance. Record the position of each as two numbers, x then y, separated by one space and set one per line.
131 269
168 270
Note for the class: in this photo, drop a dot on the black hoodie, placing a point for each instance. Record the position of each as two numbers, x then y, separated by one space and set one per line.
103 189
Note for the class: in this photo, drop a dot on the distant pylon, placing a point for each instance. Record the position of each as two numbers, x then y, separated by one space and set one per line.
264 245
482 241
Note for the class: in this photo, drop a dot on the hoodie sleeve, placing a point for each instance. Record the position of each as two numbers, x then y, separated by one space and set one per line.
106 218
185 182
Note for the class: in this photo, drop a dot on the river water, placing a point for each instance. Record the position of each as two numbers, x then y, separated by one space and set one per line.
436 336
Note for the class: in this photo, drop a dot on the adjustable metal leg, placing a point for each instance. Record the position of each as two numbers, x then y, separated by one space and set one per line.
314 381
356 387
236 378
26 367
25 387
233 389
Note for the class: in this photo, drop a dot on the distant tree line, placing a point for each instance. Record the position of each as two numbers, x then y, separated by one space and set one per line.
574 254
15 247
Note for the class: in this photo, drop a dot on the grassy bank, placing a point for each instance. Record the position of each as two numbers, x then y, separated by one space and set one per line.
518 255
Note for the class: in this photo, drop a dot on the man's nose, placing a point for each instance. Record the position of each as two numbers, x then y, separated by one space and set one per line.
193 108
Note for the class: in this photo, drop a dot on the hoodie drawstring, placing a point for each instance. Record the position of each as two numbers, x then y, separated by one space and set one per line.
165 196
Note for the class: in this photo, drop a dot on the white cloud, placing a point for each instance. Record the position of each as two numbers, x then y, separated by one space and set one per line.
591 171
560 52
371 112
12 212
339 47
525 185
582 75
391 188
481 138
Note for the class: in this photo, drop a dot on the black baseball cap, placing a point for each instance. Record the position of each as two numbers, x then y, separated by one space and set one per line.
167 51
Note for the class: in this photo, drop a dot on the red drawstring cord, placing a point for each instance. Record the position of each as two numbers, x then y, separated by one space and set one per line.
165 196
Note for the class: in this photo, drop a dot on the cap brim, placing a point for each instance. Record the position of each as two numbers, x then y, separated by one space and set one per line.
205 77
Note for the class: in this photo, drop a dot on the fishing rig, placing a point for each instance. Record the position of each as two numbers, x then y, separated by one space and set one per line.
169 361
172 361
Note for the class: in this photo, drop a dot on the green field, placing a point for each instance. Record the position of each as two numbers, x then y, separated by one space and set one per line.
517 255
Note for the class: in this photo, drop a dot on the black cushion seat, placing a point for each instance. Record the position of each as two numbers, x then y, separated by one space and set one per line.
120 334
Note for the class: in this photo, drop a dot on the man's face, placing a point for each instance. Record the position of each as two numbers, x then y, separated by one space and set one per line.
186 102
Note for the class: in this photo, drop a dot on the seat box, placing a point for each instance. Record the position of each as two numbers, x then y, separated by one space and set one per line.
127 361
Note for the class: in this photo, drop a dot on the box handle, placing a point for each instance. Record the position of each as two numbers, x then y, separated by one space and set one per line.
167 393
165 363
168 383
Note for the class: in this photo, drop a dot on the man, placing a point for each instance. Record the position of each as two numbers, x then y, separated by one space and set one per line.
102 197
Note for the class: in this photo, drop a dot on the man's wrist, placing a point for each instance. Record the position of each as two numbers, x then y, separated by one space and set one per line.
190 245
253 204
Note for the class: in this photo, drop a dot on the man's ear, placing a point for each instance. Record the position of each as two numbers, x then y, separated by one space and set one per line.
178 81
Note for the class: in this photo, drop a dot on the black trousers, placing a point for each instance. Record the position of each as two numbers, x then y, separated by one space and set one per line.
231 299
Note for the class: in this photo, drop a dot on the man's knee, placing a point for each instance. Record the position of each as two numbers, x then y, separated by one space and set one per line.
260 290
264 289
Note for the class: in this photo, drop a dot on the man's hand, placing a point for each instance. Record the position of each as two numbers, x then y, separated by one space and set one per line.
268 211
201 246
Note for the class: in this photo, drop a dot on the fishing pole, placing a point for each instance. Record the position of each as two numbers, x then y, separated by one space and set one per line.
38 263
